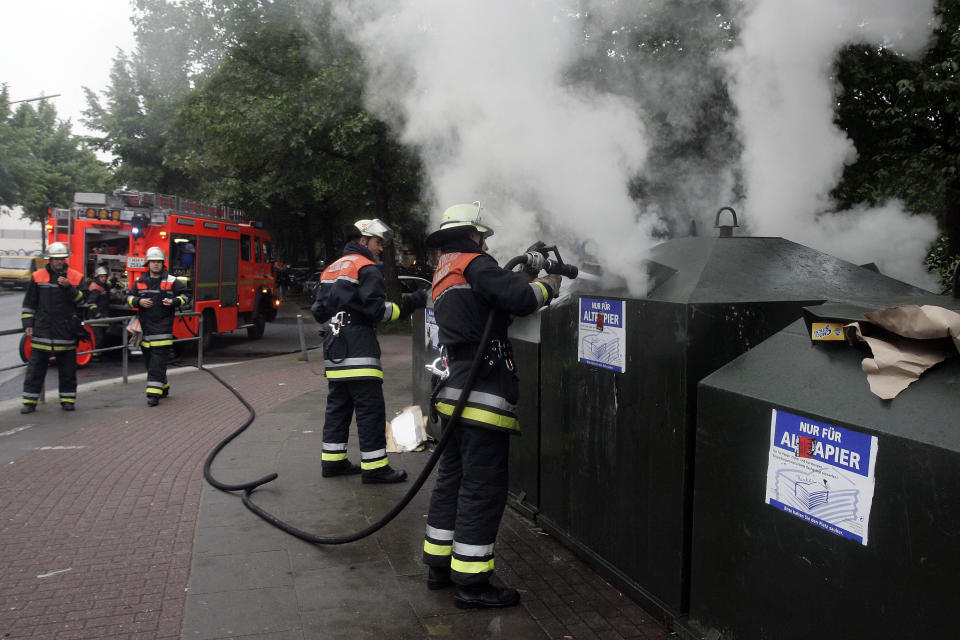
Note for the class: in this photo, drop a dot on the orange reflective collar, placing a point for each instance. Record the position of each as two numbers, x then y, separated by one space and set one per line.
450 270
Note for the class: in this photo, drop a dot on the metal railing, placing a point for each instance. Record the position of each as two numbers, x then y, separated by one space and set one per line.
125 343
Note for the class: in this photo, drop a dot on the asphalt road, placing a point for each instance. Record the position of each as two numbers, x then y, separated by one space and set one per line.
280 336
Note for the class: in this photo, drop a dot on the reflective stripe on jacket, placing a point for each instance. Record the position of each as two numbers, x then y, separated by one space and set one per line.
49 308
156 321
353 285
467 285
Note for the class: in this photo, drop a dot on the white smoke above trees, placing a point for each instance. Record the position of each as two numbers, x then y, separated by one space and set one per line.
484 90
479 88
793 153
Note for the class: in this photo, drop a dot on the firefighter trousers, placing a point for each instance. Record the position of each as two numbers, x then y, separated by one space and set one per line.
467 503
156 359
37 373
365 398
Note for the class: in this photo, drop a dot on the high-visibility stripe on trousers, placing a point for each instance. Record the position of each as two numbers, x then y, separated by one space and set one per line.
66 355
155 358
365 398
467 504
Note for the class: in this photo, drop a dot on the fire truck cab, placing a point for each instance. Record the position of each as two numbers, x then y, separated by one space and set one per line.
225 260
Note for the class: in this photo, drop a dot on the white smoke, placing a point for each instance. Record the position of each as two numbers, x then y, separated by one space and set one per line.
478 86
794 154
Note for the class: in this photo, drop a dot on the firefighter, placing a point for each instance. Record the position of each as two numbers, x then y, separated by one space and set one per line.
352 298
50 318
98 303
156 295
471 489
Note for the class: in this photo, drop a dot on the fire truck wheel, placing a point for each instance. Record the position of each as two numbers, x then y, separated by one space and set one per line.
256 331
25 348
87 344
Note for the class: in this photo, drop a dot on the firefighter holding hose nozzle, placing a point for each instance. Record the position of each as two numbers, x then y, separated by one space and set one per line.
471 489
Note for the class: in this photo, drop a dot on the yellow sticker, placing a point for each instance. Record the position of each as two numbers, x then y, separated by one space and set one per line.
826 331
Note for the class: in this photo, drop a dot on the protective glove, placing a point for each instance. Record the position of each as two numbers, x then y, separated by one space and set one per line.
552 282
535 260
410 302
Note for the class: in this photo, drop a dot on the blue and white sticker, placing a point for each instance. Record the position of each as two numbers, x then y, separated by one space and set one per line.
602 337
822 474
431 330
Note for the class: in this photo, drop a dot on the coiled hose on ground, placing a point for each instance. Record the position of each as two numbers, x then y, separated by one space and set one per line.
249 487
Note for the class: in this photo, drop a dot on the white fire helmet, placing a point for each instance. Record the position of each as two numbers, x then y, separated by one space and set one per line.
460 218
58 250
155 253
101 271
375 228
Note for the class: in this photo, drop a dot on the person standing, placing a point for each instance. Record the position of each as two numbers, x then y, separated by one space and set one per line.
352 298
98 304
156 295
49 318
471 488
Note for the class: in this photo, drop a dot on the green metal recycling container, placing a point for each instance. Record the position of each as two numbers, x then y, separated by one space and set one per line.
618 404
820 510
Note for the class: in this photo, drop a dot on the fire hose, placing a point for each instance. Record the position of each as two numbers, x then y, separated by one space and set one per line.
552 266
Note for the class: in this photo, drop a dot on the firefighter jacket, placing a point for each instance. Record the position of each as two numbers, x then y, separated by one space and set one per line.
352 298
156 321
51 310
98 301
467 285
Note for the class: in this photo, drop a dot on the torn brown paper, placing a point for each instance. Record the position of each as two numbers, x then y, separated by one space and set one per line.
922 323
911 347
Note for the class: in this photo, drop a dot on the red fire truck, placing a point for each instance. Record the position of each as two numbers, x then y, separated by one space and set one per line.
225 260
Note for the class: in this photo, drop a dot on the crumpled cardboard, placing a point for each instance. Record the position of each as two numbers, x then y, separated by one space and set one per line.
407 431
913 339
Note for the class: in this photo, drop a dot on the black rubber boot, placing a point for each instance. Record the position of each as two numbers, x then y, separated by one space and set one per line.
28 408
485 596
153 401
338 468
384 475
67 406
438 578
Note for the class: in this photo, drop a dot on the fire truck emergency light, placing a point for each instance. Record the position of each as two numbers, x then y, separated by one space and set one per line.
139 222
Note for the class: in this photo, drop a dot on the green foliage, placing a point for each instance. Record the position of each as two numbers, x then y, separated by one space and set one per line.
903 117
43 162
943 260
259 105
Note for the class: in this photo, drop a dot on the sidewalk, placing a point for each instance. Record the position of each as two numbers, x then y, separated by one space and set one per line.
108 530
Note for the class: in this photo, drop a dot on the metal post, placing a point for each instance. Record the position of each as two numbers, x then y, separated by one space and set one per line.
200 343
303 339
125 352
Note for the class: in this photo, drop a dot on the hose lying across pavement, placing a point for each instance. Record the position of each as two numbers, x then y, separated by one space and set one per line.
249 487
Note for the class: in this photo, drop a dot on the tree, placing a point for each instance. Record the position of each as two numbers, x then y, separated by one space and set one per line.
902 115
44 163
260 106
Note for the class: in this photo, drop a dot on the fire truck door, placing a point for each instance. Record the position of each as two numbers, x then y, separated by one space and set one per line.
208 268
229 272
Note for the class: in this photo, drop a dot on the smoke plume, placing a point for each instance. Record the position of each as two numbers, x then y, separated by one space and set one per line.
793 153
555 116
479 87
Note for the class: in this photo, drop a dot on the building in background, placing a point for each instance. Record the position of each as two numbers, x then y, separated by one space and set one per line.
19 235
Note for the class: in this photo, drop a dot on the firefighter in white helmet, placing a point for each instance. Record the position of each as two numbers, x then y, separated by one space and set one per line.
156 295
49 317
471 489
352 298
